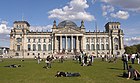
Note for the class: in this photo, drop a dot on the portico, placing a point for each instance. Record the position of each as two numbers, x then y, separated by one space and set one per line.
68 43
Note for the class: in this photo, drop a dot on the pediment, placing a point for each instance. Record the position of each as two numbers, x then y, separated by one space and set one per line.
69 30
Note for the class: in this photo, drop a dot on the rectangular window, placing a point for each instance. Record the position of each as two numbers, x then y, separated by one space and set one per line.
29 40
92 40
49 40
18 47
107 39
102 40
98 40
87 40
44 40
33 40
39 40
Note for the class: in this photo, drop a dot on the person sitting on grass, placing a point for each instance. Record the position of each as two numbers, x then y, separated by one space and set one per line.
132 73
66 74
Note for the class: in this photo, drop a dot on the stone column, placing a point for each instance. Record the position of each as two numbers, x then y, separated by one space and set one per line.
77 44
56 44
71 43
60 43
110 45
66 44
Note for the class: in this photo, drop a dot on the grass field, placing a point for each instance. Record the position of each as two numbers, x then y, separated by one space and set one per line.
99 72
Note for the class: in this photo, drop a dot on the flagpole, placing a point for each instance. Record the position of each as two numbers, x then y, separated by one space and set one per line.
96 38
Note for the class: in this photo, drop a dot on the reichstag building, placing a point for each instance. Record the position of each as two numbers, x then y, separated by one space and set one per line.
65 38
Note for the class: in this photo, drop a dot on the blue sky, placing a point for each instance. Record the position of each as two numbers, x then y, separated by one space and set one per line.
41 13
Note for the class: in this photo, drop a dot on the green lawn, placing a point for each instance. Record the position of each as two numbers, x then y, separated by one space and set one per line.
100 72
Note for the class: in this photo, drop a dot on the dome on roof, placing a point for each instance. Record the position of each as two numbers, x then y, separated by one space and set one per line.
67 23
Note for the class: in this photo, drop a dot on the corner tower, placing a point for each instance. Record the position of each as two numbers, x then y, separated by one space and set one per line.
116 37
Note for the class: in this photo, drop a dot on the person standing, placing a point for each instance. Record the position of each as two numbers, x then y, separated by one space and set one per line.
125 60
138 57
133 58
48 62
38 59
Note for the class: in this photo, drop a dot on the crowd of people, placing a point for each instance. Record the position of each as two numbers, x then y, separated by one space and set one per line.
85 59
132 73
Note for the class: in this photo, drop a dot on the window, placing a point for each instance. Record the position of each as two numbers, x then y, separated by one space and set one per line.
116 40
29 47
49 47
92 40
29 40
98 40
17 26
39 40
98 47
49 40
28 54
44 40
33 40
92 47
34 47
44 47
107 39
19 40
33 53
102 46
107 46
18 47
87 47
39 47
87 40
22 26
116 47
102 40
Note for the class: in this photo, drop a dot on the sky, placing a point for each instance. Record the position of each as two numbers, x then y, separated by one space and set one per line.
41 13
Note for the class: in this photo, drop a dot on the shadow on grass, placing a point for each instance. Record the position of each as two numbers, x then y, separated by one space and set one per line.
115 68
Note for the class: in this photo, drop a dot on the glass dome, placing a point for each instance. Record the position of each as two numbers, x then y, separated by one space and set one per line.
67 23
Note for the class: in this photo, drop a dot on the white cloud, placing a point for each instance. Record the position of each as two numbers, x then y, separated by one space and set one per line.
3 28
75 10
132 41
41 28
107 9
120 14
132 5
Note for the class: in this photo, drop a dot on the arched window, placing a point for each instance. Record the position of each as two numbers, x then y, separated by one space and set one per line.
34 47
107 46
116 40
39 47
98 47
87 47
49 47
102 46
29 47
116 47
92 47
19 40
44 47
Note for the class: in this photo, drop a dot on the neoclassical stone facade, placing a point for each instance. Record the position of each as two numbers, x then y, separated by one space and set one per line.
65 38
